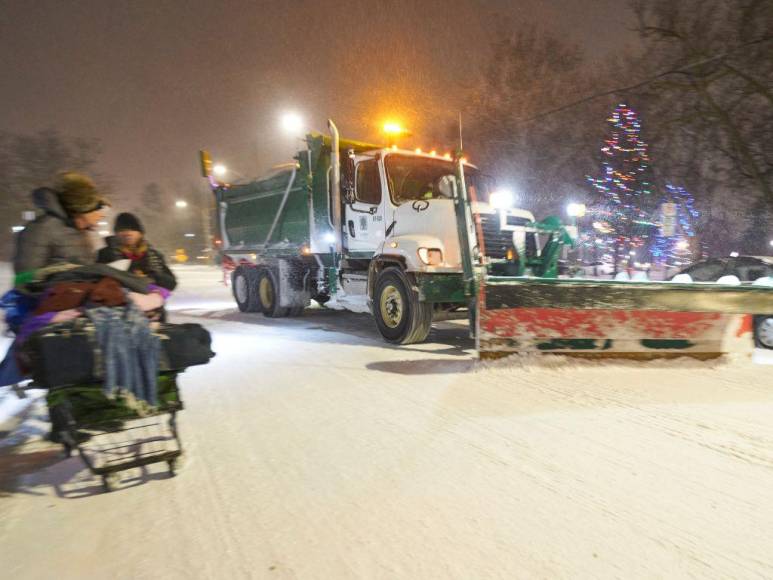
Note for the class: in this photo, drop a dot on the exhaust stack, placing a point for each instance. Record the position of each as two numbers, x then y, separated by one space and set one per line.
335 185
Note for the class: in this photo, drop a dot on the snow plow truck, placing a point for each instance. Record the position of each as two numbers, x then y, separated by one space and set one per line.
408 236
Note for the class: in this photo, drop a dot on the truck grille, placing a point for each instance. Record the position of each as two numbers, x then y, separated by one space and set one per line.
496 242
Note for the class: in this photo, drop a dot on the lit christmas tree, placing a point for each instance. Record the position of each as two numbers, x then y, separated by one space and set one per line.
674 243
621 216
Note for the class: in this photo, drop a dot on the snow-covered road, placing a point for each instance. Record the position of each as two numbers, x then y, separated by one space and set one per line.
315 451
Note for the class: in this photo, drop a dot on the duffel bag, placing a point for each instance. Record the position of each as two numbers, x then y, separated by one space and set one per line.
184 345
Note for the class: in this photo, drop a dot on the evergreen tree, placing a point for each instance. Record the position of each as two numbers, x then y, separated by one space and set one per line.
621 213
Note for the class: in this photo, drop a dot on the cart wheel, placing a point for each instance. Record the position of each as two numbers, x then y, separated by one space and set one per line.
108 481
172 467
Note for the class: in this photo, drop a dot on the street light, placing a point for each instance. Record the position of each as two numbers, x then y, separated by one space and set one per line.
575 210
181 203
502 199
292 123
771 243
220 170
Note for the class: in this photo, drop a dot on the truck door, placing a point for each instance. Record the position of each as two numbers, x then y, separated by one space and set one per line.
364 217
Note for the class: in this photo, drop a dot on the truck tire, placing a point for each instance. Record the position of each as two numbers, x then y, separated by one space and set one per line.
245 289
268 295
400 316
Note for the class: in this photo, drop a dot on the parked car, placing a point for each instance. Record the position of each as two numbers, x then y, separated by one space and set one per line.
598 268
746 269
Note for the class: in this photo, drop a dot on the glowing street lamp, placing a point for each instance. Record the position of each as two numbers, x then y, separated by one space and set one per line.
502 199
220 170
575 210
291 123
181 203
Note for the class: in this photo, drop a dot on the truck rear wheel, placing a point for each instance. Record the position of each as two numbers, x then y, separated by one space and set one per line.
268 295
244 286
400 316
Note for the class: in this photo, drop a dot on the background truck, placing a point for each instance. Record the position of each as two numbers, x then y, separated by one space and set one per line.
405 236
363 228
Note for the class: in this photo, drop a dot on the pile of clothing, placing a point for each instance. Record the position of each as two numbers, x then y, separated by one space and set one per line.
96 324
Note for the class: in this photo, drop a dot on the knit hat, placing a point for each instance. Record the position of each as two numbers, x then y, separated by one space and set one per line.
78 194
128 221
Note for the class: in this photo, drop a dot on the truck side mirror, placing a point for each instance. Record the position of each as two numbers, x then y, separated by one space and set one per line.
347 177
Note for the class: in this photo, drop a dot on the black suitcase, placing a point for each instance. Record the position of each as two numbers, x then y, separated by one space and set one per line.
58 356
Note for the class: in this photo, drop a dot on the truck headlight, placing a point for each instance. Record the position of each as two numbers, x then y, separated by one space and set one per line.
431 256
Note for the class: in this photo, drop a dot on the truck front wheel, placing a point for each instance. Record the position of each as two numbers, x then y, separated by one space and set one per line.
400 316
244 285
268 295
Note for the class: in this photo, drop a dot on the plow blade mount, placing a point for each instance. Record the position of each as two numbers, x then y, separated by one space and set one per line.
604 318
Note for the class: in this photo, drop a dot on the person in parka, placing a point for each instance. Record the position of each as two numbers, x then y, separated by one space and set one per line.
129 243
71 210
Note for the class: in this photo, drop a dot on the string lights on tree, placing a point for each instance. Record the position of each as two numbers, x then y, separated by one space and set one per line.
623 188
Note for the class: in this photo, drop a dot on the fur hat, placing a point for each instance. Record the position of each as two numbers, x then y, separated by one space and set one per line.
78 194
128 221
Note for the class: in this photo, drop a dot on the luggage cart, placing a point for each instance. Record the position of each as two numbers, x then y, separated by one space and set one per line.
111 436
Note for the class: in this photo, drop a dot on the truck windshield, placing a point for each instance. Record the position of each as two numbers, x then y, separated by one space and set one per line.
412 178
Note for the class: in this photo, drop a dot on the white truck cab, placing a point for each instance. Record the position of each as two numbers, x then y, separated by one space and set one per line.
401 204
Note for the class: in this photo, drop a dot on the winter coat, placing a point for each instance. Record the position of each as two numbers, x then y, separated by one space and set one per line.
148 263
52 238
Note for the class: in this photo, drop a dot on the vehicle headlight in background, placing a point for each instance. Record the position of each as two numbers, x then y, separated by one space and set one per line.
501 199
431 256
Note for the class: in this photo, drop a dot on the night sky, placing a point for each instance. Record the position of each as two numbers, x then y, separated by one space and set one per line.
157 80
